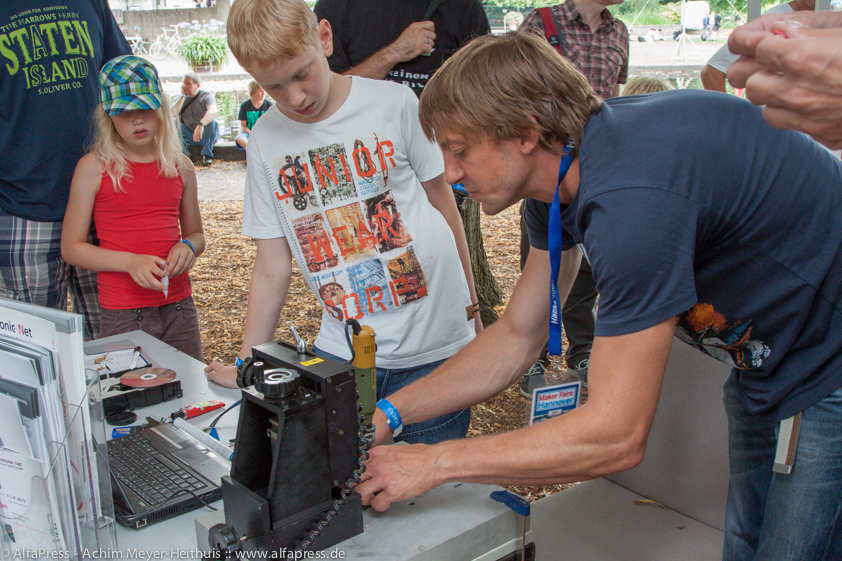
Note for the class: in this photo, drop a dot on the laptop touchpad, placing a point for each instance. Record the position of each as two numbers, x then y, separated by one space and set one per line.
190 456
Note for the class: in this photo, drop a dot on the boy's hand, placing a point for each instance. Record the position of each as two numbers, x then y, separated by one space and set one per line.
225 376
146 270
180 259
417 39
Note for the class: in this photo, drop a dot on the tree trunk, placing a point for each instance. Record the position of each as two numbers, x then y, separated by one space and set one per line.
488 291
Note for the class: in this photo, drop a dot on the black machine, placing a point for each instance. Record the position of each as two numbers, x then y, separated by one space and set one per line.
299 451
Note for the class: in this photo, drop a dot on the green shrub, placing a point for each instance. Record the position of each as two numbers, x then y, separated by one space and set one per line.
204 47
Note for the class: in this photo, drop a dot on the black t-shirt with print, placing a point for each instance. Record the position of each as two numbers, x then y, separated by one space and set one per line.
250 114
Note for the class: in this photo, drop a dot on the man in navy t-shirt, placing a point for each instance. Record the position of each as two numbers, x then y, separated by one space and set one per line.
744 264
50 55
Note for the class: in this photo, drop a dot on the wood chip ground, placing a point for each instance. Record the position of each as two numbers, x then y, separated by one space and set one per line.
220 289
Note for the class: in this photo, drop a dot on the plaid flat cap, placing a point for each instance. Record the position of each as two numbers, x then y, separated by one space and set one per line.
129 82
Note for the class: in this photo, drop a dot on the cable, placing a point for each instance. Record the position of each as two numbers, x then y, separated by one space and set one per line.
366 437
355 325
218 417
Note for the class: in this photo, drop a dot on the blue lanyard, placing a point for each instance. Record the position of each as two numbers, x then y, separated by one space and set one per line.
554 345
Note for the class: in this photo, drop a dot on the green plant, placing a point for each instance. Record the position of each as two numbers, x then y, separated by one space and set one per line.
202 48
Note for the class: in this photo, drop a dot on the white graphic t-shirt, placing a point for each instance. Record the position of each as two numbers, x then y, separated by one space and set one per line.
346 193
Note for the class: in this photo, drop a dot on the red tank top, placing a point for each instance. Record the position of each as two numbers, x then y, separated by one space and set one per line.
142 219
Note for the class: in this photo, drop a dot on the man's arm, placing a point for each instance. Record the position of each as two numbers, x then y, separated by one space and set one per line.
176 105
440 195
712 79
790 64
496 357
606 435
417 39
270 280
207 118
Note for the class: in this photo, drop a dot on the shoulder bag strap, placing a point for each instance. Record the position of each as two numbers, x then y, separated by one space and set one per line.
550 29
185 106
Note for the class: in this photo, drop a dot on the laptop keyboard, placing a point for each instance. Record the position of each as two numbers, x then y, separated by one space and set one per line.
149 474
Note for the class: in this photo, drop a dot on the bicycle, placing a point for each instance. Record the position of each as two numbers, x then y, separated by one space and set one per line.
138 45
136 42
167 42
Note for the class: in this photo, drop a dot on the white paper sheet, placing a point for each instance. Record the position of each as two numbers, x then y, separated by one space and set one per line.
12 433
25 505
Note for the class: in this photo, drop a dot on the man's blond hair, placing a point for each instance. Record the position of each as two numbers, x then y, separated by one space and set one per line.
265 32
253 87
501 87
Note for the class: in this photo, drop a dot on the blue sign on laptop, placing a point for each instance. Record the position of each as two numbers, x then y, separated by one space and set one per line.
552 401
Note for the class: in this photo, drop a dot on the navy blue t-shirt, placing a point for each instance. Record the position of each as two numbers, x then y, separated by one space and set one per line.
735 228
51 52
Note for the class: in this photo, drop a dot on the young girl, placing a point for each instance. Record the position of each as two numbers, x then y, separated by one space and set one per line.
140 190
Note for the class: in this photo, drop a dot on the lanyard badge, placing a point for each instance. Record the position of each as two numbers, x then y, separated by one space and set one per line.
554 234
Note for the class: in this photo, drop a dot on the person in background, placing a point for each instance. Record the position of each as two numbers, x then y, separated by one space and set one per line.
640 85
404 42
197 112
597 44
250 111
713 74
141 191
40 145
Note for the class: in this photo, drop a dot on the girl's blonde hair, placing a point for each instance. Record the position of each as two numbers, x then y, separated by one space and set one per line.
108 145
646 84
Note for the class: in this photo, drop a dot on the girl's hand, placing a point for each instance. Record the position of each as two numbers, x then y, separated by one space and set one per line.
180 259
146 270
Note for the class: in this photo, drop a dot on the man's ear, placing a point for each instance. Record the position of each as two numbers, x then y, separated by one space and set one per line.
529 142
325 37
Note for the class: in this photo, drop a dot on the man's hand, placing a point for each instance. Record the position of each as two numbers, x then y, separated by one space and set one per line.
397 473
225 376
417 39
791 64
197 132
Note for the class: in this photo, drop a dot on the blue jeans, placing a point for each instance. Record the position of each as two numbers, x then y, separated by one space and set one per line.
778 517
210 136
446 427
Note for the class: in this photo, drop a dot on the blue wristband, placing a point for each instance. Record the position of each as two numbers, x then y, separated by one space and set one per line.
238 362
392 416
190 245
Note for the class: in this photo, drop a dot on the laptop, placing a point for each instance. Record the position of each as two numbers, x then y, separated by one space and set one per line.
162 472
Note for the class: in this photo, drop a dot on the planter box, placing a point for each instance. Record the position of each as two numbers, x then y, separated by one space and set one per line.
206 67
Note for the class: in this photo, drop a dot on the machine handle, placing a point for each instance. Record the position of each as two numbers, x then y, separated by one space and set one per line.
514 502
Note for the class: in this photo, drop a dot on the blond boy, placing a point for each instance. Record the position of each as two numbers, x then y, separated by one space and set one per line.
250 111
342 178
